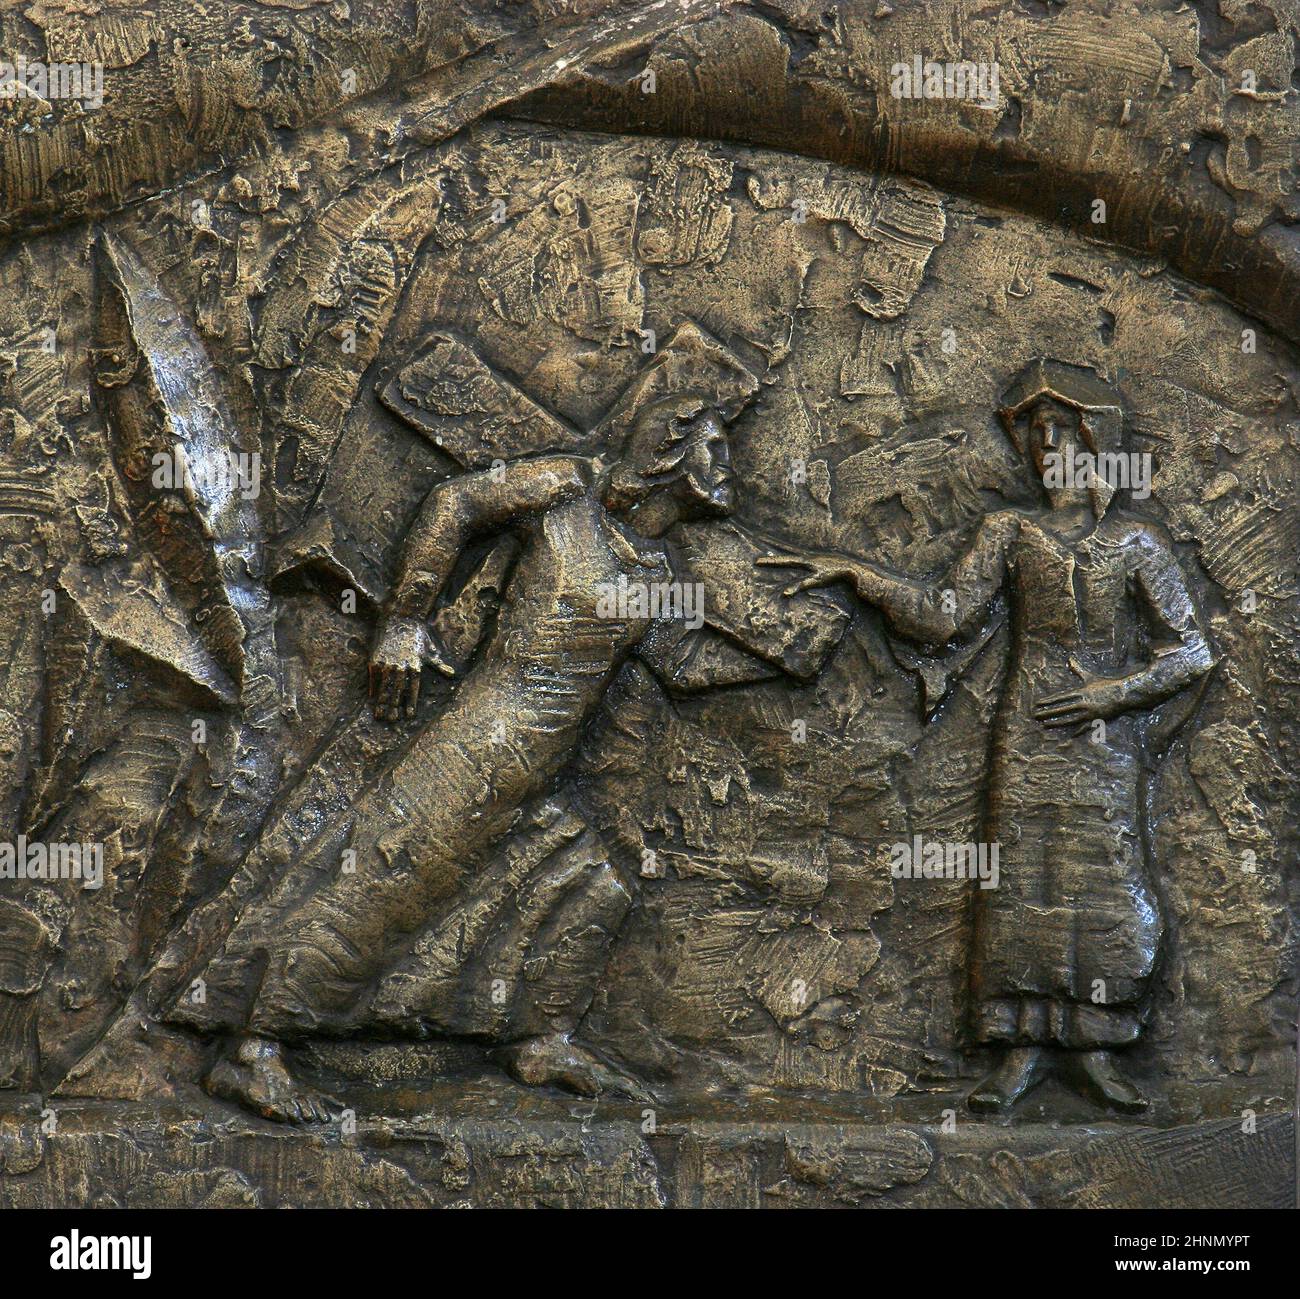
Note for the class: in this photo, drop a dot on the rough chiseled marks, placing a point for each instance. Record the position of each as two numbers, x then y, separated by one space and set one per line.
467 409
905 228
553 1160
932 509
572 263
336 287
163 399
900 222
1109 107
1231 496
684 215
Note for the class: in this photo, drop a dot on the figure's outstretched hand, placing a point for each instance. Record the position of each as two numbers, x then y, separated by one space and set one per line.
824 569
1094 698
402 648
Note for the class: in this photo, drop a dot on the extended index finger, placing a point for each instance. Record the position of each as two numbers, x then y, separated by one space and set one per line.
1065 697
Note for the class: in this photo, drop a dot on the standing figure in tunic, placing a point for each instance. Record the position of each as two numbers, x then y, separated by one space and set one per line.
1103 629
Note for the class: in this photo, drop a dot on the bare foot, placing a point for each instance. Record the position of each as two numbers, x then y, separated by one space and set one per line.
1102 1080
537 1061
1019 1071
255 1076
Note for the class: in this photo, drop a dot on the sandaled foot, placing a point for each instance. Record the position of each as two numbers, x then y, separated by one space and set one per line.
1101 1079
555 1060
1021 1069
255 1076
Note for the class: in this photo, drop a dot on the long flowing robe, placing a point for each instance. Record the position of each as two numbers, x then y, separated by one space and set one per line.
337 935
1066 945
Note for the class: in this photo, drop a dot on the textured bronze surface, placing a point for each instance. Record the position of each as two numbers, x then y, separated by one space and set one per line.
649 604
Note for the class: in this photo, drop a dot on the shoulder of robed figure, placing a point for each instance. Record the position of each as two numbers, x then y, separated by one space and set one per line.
1127 527
568 474
1003 524
1144 540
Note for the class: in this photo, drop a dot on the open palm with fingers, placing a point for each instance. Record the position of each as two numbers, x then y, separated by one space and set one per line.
403 647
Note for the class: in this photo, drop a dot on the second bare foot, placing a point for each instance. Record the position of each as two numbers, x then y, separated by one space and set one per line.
555 1059
255 1076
